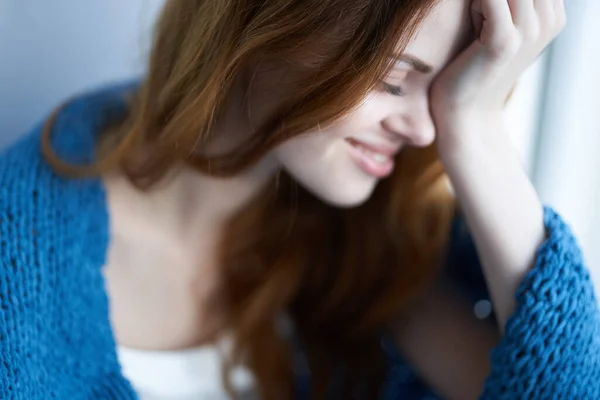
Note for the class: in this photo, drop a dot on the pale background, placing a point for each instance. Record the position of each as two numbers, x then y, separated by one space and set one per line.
50 50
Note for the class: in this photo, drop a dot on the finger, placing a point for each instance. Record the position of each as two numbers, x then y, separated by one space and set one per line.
522 10
546 14
552 17
497 12
526 18
499 33
560 14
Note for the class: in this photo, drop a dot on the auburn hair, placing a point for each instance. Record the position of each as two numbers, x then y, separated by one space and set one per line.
340 276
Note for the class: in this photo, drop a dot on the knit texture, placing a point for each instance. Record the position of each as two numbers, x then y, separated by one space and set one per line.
55 337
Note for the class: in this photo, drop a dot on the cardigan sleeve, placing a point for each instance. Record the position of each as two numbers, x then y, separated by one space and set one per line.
551 345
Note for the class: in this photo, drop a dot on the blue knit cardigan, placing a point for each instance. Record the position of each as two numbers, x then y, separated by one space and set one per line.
56 341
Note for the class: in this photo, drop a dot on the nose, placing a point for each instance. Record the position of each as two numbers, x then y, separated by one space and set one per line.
413 124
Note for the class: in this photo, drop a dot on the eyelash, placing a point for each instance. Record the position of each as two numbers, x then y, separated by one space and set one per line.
393 90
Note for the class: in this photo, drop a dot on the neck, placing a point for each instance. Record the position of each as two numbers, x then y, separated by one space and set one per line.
188 203
198 197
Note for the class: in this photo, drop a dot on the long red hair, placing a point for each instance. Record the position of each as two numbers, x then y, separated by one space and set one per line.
339 275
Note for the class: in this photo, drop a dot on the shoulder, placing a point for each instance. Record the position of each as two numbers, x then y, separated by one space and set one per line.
44 215
74 128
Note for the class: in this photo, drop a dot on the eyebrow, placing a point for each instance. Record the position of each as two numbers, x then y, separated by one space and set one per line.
414 62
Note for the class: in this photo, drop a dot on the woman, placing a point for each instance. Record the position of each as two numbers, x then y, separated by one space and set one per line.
273 199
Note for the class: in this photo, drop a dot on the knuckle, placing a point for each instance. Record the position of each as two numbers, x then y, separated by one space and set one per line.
531 33
506 44
561 21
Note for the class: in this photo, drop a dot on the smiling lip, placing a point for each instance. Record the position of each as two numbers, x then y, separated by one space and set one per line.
374 160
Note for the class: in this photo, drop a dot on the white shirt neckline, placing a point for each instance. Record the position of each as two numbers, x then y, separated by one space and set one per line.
181 374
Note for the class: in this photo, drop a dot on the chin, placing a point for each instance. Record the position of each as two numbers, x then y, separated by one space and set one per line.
337 187
345 197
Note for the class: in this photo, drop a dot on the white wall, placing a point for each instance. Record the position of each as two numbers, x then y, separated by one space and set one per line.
50 49
524 111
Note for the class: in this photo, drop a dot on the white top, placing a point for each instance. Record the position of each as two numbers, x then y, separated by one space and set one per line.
193 374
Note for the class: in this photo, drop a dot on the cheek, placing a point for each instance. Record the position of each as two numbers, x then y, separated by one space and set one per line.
317 158
321 164
308 149
368 116
326 148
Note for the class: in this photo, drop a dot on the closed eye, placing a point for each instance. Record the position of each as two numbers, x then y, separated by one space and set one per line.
393 90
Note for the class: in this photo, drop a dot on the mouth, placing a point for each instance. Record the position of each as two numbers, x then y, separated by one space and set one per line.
375 160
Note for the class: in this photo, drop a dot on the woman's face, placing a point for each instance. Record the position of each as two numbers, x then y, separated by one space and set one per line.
342 163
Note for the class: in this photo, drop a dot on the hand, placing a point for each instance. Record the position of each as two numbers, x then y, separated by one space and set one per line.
510 35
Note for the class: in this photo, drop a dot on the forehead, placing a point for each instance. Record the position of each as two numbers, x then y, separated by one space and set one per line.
443 33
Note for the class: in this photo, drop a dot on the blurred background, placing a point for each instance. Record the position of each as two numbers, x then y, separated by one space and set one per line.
50 50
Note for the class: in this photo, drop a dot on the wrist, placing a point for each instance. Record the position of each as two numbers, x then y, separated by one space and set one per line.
464 136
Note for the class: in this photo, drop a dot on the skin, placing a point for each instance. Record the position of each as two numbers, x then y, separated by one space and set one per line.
161 266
